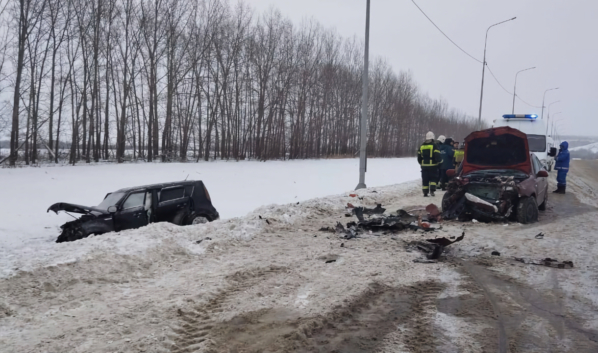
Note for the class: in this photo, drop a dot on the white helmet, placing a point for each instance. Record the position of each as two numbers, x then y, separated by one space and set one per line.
430 135
441 138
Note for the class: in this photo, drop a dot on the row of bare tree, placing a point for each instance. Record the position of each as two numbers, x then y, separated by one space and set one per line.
180 79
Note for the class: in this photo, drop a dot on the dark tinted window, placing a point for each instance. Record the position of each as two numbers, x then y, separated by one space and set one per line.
503 150
134 200
171 194
537 143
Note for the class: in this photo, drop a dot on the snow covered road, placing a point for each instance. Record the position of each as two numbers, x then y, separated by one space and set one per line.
285 286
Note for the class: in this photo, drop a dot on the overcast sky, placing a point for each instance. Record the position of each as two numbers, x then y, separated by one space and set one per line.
558 37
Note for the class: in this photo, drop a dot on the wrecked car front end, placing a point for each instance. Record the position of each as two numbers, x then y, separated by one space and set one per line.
495 174
93 220
486 196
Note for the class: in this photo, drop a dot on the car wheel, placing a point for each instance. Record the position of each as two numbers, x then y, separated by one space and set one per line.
195 218
527 210
542 207
179 218
445 201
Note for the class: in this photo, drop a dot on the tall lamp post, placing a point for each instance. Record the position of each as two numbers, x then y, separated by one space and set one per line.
555 125
364 104
548 120
543 98
484 70
515 87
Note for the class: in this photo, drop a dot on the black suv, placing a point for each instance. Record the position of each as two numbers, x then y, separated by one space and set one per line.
181 203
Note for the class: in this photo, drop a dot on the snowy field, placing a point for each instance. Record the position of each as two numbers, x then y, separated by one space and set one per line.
27 232
593 147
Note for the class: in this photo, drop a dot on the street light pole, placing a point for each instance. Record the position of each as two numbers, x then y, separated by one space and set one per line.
484 70
548 120
515 87
544 97
364 104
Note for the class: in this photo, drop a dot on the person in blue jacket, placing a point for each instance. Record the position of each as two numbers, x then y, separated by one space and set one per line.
447 153
562 167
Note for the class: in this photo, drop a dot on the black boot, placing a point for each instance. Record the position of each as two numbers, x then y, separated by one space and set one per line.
432 190
425 193
560 189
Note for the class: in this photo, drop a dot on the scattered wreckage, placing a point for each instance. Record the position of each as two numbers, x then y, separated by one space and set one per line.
378 223
498 180
180 203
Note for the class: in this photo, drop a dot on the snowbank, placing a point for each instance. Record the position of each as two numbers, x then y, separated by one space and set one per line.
593 148
27 232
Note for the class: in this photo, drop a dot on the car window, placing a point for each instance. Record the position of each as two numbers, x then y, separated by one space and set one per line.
111 200
537 143
134 200
171 194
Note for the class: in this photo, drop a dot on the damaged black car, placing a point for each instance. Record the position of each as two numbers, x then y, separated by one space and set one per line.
498 180
180 203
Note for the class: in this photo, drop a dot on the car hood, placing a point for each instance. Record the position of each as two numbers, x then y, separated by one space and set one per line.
498 148
69 207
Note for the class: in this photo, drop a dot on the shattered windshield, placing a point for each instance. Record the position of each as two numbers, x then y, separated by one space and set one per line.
537 143
111 200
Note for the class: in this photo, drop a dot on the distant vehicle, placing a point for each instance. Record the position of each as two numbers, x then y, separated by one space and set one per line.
180 203
539 143
499 179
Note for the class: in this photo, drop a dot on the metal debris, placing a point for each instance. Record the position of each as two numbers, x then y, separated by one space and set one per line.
546 262
432 248
540 236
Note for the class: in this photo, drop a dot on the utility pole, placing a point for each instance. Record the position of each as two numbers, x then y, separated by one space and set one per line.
484 69
364 104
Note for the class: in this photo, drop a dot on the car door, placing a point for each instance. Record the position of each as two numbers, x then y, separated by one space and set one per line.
171 201
132 213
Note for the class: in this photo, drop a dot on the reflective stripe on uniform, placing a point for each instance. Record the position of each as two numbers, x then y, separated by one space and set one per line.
432 183
428 147
425 187
422 150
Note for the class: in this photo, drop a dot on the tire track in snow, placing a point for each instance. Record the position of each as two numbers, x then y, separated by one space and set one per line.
194 331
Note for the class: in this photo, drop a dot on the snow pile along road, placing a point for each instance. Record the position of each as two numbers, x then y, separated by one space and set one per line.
28 232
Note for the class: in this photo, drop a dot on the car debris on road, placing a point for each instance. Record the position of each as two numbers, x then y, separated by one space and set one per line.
546 262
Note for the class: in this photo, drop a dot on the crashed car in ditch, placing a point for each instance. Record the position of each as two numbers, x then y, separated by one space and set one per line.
498 180
181 203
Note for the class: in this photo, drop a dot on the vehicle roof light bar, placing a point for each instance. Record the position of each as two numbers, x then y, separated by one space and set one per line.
521 116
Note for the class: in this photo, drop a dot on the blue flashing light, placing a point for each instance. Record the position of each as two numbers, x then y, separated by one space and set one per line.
524 116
